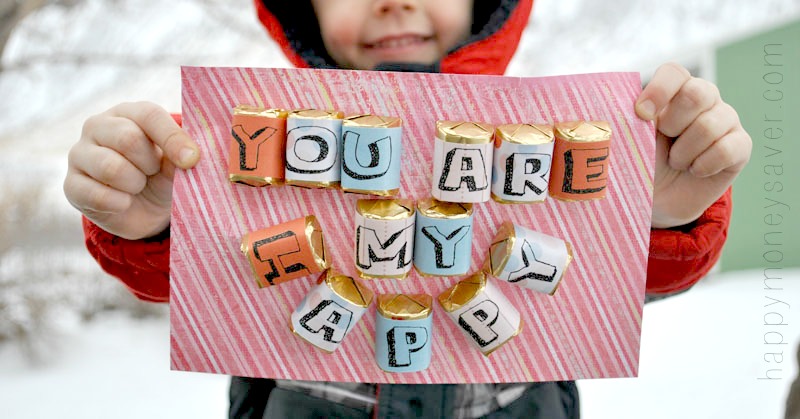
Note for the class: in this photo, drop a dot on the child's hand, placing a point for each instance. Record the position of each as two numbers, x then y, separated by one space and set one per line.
120 171
700 144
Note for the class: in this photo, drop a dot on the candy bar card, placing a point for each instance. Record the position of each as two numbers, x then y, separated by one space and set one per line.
530 199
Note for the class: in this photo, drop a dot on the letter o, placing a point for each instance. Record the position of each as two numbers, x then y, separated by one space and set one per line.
778 256
778 95
778 77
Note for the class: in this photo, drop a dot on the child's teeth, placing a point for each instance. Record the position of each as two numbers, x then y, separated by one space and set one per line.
396 43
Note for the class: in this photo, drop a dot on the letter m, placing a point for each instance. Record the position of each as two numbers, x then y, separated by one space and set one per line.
371 249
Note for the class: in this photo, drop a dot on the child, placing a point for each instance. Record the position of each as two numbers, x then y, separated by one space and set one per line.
120 178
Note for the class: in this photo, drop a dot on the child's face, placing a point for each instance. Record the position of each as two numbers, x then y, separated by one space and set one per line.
360 34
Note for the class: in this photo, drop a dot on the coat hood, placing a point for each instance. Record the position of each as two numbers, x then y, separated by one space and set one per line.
496 31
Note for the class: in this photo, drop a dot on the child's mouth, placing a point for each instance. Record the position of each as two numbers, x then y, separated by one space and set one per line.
397 42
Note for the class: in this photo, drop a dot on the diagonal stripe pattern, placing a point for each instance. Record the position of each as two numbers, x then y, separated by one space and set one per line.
221 322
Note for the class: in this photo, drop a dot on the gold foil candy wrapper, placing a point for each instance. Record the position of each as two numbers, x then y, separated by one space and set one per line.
286 251
464 132
330 310
322 171
256 111
583 131
349 289
384 237
405 306
372 121
433 208
528 258
500 249
462 292
385 209
250 110
485 316
316 114
527 134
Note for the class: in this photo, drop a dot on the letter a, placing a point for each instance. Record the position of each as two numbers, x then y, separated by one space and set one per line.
330 318
464 166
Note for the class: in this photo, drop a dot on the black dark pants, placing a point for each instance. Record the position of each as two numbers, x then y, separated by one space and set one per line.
249 396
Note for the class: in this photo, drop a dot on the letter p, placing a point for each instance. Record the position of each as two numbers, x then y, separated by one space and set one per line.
404 340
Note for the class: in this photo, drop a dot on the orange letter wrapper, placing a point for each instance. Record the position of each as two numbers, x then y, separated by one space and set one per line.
286 251
258 138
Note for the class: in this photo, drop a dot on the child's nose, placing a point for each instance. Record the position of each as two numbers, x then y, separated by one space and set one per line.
394 6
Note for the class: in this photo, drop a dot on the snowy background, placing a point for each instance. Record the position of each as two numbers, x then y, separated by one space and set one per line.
74 344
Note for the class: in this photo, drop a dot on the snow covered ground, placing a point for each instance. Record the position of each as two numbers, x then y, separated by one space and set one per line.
702 356
702 352
113 367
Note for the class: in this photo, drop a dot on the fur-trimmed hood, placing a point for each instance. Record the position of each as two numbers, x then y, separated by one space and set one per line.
496 31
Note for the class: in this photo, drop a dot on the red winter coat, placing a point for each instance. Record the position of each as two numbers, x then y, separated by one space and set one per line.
678 257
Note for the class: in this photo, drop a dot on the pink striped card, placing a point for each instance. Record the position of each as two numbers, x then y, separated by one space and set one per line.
221 322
